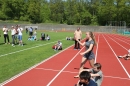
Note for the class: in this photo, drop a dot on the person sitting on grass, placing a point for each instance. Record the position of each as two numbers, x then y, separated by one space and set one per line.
31 38
58 46
126 56
67 38
85 79
96 73
47 37
42 36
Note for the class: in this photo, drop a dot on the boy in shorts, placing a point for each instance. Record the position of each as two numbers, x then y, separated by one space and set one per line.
96 73
20 35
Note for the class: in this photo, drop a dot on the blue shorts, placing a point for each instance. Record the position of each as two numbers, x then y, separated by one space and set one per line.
20 37
89 56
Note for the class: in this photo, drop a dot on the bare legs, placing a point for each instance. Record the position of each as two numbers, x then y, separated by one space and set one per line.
58 47
91 62
84 60
126 57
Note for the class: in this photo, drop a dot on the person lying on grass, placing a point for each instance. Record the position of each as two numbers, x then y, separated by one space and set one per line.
126 56
58 46
85 79
96 73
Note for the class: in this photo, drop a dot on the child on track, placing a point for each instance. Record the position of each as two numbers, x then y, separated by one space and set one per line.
96 73
126 56
85 79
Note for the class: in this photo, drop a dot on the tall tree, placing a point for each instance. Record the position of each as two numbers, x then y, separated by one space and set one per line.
34 11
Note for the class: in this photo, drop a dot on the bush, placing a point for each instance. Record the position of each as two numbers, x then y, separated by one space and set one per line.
23 18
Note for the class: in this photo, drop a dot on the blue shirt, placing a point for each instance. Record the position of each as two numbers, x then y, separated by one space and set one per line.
91 83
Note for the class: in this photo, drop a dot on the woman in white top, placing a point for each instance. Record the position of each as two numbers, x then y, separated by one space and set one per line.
20 35
13 32
126 56
6 36
47 37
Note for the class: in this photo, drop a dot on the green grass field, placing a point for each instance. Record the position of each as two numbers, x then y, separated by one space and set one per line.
13 64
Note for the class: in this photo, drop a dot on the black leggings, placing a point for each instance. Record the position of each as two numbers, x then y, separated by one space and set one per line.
77 45
6 36
43 38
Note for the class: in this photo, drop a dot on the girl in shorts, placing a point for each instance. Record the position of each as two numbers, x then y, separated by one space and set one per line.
88 53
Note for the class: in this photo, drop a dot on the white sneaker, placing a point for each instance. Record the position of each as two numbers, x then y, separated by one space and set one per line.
13 45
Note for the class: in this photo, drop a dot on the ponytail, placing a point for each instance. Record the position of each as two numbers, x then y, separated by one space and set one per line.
93 37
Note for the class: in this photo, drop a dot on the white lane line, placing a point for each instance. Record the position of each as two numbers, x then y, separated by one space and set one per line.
54 70
117 58
63 68
120 40
20 74
117 43
97 49
77 72
117 77
28 48
122 37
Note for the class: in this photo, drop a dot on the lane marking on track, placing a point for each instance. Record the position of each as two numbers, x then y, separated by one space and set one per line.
77 72
20 74
25 71
97 49
63 68
54 70
120 40
117 57
28 48
122 37
117 43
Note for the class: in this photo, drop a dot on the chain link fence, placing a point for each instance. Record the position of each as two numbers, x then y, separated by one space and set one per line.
111 28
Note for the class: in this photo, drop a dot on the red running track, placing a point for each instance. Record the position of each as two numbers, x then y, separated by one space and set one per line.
60 70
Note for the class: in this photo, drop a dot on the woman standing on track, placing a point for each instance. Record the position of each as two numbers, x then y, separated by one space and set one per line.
88 54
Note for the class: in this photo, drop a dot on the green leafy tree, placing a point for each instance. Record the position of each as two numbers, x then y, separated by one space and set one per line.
34 11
